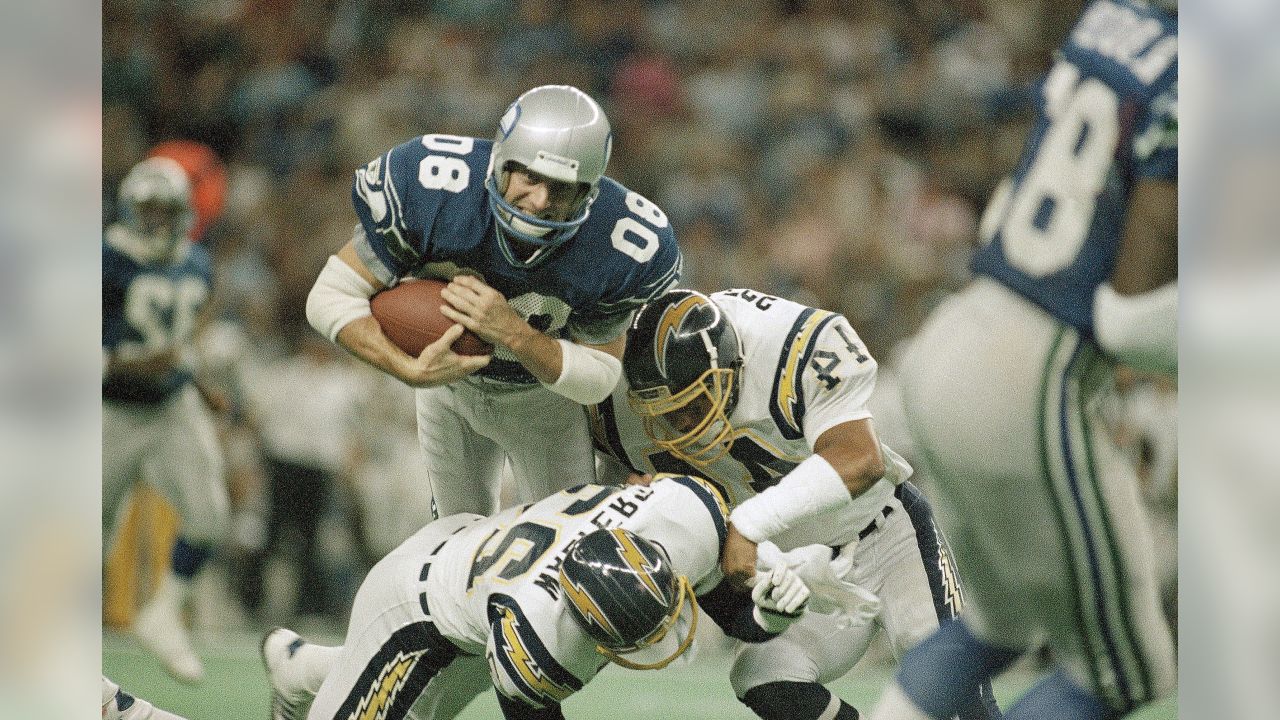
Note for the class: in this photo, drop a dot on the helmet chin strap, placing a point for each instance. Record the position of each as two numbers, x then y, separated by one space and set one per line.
685 590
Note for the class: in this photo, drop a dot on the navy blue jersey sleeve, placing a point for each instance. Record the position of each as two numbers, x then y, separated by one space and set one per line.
522 665
1155 145
429 187
113 322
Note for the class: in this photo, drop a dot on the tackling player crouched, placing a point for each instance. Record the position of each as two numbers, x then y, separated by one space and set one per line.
767 399
542 591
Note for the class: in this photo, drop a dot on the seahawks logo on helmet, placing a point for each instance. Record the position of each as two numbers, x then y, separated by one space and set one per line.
508 121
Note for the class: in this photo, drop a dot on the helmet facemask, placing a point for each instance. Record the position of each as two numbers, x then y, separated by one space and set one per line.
692 424
155 199
558 133
615 654
518 230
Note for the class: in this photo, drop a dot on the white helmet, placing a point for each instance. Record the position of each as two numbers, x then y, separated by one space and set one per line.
155 201
559 132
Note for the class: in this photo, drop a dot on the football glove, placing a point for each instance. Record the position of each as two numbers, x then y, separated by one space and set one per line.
780 597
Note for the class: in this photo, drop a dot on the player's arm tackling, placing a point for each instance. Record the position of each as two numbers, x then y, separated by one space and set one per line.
836 381
846 461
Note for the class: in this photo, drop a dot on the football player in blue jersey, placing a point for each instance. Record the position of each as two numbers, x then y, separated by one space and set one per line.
546 257
155 425
1078 272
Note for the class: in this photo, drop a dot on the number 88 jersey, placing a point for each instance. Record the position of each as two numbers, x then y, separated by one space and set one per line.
1107 117
424 212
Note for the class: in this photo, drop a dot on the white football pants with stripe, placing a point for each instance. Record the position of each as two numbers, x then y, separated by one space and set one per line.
1041 509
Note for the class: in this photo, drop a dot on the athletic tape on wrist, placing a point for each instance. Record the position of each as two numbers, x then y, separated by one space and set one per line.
587 375
812 487
338 297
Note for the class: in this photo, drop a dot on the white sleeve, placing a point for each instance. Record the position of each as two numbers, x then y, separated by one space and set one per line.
523 666
691 521
837 381
587 375
339 297
1139 330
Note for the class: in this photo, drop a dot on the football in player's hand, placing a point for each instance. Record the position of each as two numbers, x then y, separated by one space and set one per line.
410 316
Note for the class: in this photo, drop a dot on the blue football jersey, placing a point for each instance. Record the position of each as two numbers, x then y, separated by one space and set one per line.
1107 118
425 213
148 308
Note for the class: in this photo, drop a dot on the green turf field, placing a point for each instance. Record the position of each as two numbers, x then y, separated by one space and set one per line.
237 688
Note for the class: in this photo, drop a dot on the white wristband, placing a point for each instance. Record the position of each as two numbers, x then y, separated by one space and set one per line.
1139 330
587 375
338 297
812 487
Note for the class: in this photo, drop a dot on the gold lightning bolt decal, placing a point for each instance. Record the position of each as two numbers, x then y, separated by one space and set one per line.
374 705
586 605
789 384
951 583
636 560
668 324
530 672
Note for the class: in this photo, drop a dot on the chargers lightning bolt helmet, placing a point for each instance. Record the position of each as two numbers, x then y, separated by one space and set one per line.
624 593
155 202
559 132
683 361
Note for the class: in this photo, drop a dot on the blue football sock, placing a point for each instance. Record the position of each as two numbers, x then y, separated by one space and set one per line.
1059 698
943 674
187 558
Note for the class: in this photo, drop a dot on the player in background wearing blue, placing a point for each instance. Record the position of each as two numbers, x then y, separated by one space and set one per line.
547 259
1078 272
155 426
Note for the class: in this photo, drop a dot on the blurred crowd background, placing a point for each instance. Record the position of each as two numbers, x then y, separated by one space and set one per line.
836 153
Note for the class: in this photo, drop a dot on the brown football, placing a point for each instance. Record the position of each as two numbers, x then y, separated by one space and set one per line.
410 316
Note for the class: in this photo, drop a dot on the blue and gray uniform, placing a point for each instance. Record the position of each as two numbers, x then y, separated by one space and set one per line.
424 212
1002 385
156 427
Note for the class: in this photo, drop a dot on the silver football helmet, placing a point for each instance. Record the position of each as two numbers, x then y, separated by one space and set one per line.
155 202
560 133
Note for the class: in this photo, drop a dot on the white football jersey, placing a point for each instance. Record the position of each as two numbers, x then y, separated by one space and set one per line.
492 586
804 371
